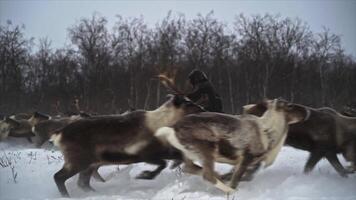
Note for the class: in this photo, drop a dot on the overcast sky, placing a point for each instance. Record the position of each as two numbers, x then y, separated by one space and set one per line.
51 18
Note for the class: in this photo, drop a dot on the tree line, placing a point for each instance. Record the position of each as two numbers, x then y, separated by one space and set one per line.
110 71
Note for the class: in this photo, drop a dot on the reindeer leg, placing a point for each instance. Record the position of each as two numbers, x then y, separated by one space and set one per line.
239 171
191 168
62 175
247 176
97 176
175 164
250 172
84 179
152 174
29 139
314 158
227 176
351 168
39 142
349 154
210 175
334 161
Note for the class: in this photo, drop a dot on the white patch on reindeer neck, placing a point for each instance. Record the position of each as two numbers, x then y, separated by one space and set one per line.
274 132
33 130
273 120
56 139
4 130
246 108
74 117
162 116
168 134
272 154
136 147
32 120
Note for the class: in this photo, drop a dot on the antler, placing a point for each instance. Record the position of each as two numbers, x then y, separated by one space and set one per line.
169 84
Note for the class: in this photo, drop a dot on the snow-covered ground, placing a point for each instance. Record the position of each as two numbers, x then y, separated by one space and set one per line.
27 173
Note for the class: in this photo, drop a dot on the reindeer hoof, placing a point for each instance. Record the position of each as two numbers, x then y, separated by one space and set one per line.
226 177
344 174
146 175
89 189
351 169
247 178
307 170
226 189
86 188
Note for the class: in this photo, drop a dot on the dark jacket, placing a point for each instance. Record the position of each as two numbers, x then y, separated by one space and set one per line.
204 92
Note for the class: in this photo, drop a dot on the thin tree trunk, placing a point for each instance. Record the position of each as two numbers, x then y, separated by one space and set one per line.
230 91
158 94
265 82
148 95
247 84
322 84
292 88
132 86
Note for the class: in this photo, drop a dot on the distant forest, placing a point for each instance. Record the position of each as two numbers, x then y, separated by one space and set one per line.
108 71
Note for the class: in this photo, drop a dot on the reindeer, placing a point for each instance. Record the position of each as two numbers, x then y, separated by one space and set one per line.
21 116
38 117
239 141
44 126
44 129
345 136
20 125
123 139
324 134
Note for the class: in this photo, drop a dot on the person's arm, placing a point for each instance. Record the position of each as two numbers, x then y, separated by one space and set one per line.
195 96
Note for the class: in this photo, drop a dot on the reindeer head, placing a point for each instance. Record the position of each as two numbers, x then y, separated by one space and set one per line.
181 104
18 127
38 117
293 113
171 111
12 126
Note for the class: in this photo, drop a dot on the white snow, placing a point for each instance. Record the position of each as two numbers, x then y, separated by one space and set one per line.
27 173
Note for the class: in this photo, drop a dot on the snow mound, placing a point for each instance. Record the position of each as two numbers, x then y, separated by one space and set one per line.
27 173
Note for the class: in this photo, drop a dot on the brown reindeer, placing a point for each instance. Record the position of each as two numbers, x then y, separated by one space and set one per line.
122 139
240 141
44 129
324 134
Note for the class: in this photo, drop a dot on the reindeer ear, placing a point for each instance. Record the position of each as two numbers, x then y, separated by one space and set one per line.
84 115
297 113
178 100
255 109
12 122
41 115
247 108
169 96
